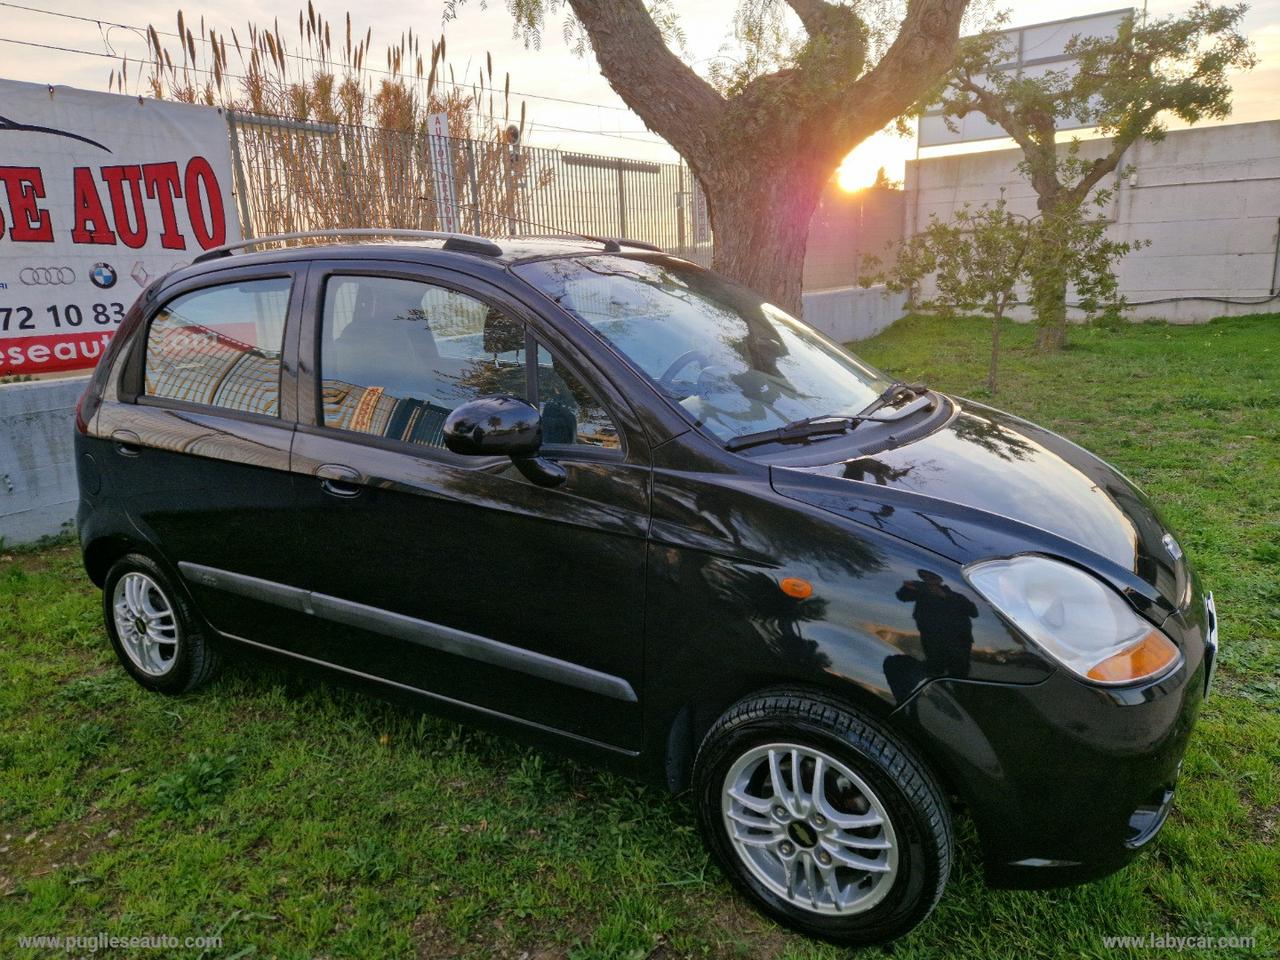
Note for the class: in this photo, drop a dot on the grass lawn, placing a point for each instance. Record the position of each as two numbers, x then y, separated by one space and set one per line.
296 819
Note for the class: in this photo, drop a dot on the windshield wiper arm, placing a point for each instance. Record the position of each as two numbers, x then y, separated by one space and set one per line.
895 391
831 424
795 431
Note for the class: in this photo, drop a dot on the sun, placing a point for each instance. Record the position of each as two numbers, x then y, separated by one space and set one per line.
857 173
859 169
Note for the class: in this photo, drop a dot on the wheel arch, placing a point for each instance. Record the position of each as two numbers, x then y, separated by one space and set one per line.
691 721
101 552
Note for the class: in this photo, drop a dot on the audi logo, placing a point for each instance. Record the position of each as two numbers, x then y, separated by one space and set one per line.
47 276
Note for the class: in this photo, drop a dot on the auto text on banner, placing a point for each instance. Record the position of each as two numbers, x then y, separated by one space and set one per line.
440 147
100 194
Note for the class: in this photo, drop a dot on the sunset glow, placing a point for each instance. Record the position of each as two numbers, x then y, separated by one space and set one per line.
859 169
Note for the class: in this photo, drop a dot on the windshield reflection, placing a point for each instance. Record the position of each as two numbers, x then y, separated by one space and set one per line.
736 363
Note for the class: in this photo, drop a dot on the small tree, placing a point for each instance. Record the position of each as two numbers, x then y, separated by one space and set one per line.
980 259
1122 85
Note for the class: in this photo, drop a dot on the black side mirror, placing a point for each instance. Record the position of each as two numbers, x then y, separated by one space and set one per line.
502 426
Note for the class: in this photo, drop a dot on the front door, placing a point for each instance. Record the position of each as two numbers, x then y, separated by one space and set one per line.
456 575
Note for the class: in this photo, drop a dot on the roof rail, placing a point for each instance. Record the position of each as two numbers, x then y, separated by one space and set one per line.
615 244
463 242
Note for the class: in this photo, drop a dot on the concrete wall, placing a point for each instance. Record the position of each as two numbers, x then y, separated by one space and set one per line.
1208 200
852 313
847 227
37 464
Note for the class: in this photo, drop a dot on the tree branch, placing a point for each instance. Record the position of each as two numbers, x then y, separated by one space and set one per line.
815 15
662 89
1104 165
924 48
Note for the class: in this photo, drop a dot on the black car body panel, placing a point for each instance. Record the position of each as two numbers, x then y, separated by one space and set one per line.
622 610
1006 469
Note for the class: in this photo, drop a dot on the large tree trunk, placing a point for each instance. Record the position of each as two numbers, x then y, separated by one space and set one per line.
764 152
761 221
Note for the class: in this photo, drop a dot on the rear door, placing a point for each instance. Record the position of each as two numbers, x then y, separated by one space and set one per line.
455 575
200 434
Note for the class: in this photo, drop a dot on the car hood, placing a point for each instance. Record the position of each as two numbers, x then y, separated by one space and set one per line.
990 484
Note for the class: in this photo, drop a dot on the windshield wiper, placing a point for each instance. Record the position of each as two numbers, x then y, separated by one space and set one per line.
891 394
831 424
795 431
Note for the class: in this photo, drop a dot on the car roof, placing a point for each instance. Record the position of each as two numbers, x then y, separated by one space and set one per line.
483 256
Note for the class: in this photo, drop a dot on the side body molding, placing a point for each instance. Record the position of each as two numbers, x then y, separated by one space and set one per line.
432 635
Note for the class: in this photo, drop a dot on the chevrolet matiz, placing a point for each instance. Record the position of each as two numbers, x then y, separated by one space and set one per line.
602 498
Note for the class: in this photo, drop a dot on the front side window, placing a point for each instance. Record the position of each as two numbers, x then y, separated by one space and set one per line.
736 363
397 356
220 346
570 412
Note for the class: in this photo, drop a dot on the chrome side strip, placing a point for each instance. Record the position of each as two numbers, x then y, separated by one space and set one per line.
434 636
439 698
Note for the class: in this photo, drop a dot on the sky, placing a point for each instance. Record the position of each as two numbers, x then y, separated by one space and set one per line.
544 78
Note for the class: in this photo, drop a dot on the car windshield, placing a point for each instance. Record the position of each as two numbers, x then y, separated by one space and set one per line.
736 363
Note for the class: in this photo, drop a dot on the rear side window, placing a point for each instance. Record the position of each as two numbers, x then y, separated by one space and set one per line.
397 356
220 346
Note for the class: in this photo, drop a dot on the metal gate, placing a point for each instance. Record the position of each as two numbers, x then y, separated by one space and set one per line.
295 175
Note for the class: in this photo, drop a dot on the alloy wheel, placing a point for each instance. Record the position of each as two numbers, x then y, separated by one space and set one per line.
145 623
809 829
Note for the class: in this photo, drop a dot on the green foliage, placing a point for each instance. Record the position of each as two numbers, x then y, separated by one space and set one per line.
204 778
1124 86
1175 64
982 257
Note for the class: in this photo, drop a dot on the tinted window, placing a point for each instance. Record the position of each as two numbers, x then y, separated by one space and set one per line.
570 413
735 362
396 356
221 346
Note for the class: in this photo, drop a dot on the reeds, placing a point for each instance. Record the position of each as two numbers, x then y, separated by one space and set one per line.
325 139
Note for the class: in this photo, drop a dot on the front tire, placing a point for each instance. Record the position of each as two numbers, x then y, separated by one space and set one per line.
823 818
154 630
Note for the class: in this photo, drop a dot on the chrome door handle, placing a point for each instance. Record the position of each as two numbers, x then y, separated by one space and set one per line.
126 443
338 480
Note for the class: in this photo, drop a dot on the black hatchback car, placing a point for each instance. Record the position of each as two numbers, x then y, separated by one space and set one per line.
601 497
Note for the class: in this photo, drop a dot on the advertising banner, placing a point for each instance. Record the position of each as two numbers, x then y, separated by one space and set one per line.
1033 51
441 149
100 194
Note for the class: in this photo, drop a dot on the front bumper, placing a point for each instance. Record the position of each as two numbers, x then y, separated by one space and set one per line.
1065 781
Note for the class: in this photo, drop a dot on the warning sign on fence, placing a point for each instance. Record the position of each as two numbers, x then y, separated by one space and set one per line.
99 195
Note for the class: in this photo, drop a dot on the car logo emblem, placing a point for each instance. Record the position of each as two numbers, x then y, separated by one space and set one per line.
47 276
1171 545
103 276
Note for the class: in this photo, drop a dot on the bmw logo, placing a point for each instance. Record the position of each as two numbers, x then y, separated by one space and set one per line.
103 276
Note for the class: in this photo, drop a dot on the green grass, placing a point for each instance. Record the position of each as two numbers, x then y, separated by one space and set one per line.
297 819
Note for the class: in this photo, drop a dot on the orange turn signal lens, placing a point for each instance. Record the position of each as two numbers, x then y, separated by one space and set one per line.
1149 656
797 588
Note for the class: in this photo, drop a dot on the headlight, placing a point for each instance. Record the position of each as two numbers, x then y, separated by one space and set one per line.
1075 618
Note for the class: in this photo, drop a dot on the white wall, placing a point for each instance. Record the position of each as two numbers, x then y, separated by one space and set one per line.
1208 200
38 494
852 313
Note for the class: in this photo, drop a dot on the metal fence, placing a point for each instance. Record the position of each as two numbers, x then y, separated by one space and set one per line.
296 175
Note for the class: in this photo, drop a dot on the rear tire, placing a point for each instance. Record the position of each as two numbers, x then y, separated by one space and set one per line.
861 856
154 630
